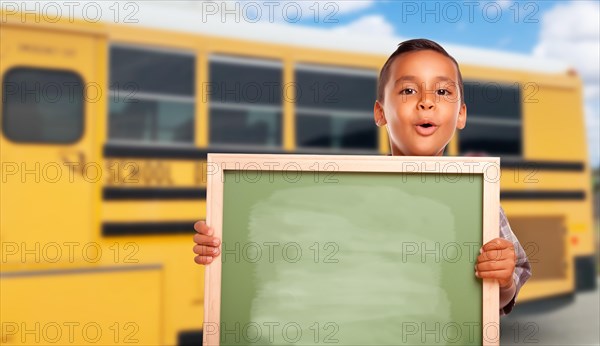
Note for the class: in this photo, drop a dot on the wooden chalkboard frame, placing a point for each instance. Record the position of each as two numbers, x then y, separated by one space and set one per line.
218 164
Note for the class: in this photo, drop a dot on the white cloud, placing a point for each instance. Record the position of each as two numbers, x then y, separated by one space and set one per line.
280 11
571 32
373 25
593 123
319 11
340 7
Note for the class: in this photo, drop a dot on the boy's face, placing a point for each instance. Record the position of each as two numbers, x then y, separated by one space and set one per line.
422 89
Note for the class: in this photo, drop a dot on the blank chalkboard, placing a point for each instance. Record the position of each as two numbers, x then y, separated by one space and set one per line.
350 250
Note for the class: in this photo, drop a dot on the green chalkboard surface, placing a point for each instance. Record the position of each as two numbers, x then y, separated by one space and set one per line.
334 256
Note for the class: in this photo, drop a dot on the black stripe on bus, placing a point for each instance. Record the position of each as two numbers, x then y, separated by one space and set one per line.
147 228
542 195
543 165
130 151
119 193
78 271
113 151
112 194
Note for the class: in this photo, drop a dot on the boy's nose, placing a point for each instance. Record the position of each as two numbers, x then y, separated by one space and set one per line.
426 101
426 104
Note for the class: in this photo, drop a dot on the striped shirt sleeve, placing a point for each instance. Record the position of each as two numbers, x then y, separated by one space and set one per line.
522 267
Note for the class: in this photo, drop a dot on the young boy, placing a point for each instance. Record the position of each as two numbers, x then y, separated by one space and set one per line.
420 99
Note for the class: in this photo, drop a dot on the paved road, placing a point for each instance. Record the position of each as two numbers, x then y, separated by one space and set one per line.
575 324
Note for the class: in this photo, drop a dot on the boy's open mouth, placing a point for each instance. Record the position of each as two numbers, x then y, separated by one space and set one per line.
426 124
426 128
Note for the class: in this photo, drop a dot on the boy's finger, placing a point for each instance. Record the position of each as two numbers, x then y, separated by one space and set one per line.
491 274
198 226
493 265
203 259
493 255
202 228
497 244
206 250
201 239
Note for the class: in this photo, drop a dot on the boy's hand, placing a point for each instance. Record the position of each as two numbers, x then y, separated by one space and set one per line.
207 246
497 261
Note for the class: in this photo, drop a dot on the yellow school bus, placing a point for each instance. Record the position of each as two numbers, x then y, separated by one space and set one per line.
106 128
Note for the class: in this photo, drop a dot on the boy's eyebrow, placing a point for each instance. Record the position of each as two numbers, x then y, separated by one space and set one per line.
404 79
410 78
443 79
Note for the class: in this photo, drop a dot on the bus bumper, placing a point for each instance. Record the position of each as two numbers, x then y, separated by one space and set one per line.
189 337
585 273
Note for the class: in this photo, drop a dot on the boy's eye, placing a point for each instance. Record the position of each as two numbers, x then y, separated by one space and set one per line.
408 91
443 92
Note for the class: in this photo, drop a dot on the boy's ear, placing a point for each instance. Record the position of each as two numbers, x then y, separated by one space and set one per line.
462 117
378 114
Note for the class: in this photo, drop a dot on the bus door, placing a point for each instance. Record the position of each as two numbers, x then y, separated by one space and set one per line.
48 172
56 274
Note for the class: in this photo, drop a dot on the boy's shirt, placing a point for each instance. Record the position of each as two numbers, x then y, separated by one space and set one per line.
522 267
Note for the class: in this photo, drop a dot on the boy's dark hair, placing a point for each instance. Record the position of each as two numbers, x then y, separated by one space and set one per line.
414 46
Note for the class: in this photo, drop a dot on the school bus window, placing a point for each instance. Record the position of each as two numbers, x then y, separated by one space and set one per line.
149 121
334 108
245 101
335 132
41 105
152 96
152 71
253 126
495 124
496 139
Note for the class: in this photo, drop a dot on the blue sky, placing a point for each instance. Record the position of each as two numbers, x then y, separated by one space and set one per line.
508 25
513 27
